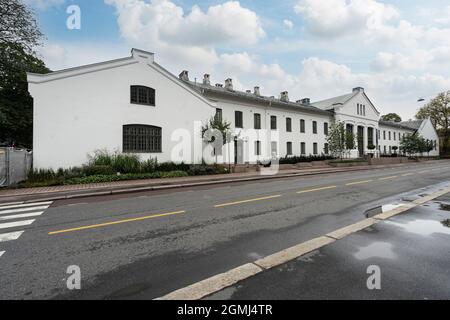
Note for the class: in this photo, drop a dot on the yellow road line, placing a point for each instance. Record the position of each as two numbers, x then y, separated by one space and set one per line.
358 182
245 201
116 222
386 178
317 189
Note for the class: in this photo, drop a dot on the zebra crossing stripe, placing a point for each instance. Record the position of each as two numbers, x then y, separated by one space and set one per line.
23 209
16 224
1 253
23 205
10 236
20 216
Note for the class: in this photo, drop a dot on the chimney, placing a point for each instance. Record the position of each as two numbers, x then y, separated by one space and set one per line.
284 96
305 101
184 75
358 89
206 79
257 92
219 85
229 84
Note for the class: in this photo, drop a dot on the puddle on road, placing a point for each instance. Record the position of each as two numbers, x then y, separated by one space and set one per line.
376 250
423 227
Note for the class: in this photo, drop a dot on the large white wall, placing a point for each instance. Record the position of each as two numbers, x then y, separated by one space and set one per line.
266 135
77 115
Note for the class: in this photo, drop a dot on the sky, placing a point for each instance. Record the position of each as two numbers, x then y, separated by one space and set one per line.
398 50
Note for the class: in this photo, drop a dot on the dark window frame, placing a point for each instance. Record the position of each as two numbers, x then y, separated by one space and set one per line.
273 122
142 95
289 148
288 124
314 127
141 138
325 128
238 119
302 126
257 121
315 148
219 115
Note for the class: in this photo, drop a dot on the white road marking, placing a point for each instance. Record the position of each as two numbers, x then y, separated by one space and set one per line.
1 253
20 216
10 204
23 209
10 236
21 205
16 224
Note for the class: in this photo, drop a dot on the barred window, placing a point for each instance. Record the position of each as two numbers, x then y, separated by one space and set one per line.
142 95
141 138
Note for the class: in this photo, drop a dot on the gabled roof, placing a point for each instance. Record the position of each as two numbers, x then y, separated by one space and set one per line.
236 94
413 124
330 103
400 125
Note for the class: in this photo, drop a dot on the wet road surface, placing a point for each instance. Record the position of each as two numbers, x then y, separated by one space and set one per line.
411 251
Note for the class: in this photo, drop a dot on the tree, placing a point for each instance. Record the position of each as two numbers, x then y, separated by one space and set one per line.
438 110
391 117
413 143
18 25
16 104
339 139
217 128
19 35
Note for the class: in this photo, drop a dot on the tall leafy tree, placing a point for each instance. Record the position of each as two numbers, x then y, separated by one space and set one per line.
438 110
19 35
18 25
391 117
339 139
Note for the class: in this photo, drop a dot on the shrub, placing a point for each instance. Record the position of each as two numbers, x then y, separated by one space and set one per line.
149 165
128 176
126 163
119 162
172 166
204 169
92 170
310 158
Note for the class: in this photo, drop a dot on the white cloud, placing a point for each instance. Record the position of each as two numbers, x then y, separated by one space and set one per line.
43 4
334 18
162 26
288 24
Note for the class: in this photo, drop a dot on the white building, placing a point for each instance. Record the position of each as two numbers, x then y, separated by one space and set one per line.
135 105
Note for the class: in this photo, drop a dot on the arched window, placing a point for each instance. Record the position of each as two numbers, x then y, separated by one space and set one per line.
138 138
142 95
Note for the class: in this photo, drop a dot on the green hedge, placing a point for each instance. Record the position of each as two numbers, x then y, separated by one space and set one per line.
127 176
310 158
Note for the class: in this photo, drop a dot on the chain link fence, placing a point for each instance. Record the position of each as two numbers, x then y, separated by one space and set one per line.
14 165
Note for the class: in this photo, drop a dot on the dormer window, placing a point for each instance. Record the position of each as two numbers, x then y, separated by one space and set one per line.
142 95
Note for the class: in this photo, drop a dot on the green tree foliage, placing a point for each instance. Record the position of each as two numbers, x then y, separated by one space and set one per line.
16 104
18 26
414 143
339 139
391 117
438 110
19 35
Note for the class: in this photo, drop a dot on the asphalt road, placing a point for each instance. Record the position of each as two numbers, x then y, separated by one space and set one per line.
144 245
411 252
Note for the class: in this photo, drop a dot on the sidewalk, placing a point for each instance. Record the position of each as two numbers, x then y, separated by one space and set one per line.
98 189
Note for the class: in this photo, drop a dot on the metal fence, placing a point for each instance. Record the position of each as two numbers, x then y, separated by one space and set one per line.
14 165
